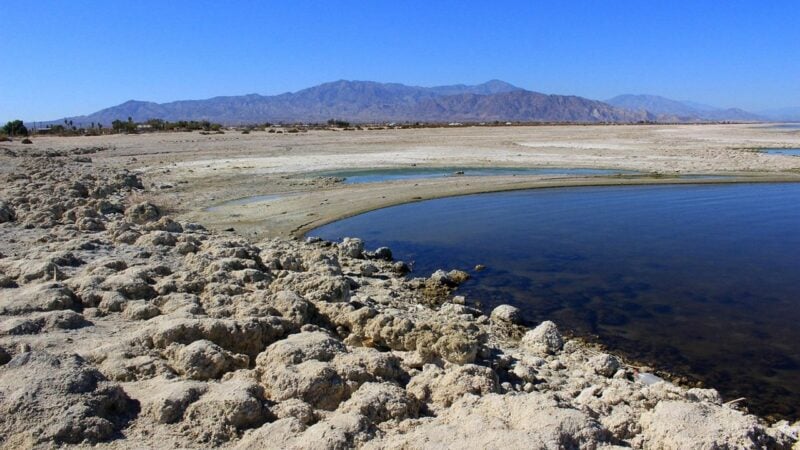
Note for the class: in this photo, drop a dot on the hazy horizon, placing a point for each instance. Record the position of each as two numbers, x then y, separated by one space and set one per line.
70 61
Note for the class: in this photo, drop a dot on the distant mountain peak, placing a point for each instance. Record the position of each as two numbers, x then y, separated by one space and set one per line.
670 109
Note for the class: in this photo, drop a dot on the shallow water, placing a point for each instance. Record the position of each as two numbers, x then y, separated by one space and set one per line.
699 280
782 151
787 126
413 173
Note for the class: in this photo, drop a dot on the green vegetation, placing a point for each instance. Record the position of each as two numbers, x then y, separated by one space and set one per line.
338 123
124 127
15 128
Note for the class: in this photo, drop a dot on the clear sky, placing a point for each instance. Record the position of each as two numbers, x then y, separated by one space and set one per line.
63 58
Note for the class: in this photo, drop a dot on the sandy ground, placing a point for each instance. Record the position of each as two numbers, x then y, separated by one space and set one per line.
120 327
198 171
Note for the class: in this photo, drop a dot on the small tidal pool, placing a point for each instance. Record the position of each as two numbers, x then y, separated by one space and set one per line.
698 280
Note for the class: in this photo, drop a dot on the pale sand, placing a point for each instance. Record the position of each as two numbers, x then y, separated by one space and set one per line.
209 170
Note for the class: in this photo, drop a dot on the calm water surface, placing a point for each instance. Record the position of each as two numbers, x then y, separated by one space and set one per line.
700 280
787 126
412 173
782 151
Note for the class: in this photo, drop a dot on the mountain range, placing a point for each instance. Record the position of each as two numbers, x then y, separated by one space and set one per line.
681 111
369 101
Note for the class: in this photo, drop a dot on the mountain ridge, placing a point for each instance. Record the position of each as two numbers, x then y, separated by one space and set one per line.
370 101
680 111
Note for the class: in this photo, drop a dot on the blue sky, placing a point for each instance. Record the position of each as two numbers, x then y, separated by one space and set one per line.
67 58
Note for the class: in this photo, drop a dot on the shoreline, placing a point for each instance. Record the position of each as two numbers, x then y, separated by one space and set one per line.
250 218
198 338
121 325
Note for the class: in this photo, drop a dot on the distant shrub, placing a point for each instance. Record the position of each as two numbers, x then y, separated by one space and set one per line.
27 141
338 123
293 130
15 128
245 131
271 130
4 138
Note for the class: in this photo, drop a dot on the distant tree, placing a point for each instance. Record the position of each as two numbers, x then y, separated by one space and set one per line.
338 123
156 124
123 127
15 128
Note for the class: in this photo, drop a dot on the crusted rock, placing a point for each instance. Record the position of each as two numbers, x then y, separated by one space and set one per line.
352 247
291 306
37 297
507 314
301 347
276 435
297 367
501 421
444 387
315 382
680 425
380 402
296 409
543 339
142 213
204 360
54 320
604 364
59 399
167 400
140 310
225 411
247 336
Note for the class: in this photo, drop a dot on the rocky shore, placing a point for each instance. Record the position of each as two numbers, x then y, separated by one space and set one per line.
121 327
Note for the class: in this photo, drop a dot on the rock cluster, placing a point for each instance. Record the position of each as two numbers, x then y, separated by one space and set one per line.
123 327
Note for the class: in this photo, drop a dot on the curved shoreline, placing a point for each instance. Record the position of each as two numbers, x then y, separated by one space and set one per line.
258 219
198 338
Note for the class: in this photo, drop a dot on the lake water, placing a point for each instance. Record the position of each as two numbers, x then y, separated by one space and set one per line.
412 173
782 151
787 126
697 280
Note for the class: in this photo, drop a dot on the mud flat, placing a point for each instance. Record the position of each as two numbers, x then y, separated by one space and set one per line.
123 327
